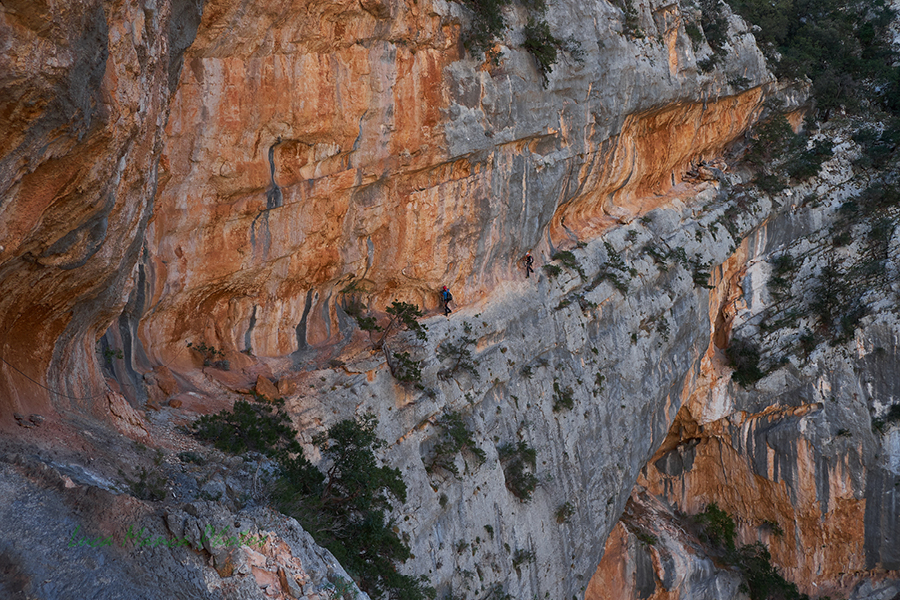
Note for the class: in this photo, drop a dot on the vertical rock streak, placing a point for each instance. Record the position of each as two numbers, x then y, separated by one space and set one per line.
85 93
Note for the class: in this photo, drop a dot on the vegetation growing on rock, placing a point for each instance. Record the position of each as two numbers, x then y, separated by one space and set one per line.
518 461
345 509
843 46
762 580
489 24
459 354
455 438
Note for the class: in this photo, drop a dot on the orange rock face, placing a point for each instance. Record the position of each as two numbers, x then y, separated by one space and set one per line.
85 89
269 147
641 165
324 143
305 145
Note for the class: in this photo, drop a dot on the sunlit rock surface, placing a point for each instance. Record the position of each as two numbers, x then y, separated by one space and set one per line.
319 143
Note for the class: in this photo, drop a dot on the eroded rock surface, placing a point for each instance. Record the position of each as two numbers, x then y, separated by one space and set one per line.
222 213
324 143
805 459
85 96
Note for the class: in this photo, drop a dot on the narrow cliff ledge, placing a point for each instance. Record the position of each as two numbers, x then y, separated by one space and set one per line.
627 360
375 151
312 145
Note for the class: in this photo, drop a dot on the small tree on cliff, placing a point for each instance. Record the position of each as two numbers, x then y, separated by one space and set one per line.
402 315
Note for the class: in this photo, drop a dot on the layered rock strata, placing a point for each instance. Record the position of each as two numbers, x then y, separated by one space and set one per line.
806 459
626 359
321 147
85 96
321 144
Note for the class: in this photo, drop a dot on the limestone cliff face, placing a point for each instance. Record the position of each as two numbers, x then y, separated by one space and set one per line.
308 146
315 143
85 92
628 359
799 459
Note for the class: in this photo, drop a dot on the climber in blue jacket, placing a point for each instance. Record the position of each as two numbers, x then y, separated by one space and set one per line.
446 298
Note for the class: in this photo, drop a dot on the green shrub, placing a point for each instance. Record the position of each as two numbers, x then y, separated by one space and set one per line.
718 526
783 264
878 148
569 261
112 353
344 509
780 282
770 183
496 592
598 383
405 369
714 24
488 24
516 460
542 45
808 163
739 83
892 416
553 271
613 278
743 357
455 438
212 357
459 354
837 305
772 139
250 427
150 485
657 255
613 258
562 398
694 32
631 25
403 314
879 237
700 273
646 538
564 512
351 507
713 27
808 343
709 63
773 527
340 589
366 322
877 198
843 46
763 579
521 557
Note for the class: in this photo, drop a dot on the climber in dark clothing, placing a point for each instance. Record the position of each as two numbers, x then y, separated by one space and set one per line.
446 298
529 264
